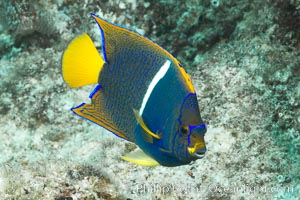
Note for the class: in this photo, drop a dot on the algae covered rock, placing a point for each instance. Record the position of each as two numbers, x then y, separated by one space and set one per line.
242 56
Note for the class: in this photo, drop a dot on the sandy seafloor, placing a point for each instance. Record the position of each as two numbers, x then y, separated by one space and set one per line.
243 58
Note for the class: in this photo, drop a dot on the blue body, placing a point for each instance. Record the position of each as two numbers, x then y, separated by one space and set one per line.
131 63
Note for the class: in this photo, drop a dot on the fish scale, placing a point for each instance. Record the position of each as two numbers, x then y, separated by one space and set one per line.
125 97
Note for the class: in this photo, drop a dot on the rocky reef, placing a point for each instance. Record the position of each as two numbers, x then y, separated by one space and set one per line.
243 58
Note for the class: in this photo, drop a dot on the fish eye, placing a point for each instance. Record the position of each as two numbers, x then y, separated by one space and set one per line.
184 130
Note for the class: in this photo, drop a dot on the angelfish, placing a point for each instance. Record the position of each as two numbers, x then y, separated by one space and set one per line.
143 95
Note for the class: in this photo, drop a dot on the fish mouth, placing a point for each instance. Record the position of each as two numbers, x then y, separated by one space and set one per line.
198 150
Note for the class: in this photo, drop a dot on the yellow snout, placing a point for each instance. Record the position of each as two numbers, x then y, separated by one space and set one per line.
197 148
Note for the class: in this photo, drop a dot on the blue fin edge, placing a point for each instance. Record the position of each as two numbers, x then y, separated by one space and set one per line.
96 89
102 34
103 38
82 104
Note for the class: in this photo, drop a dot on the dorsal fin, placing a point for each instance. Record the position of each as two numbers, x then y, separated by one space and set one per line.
98 114
116 38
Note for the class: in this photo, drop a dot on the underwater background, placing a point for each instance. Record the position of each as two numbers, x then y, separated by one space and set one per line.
244 61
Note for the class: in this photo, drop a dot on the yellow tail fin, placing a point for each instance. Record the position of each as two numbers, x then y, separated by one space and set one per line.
81 62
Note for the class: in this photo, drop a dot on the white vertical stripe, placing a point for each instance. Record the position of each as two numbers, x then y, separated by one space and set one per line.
159 75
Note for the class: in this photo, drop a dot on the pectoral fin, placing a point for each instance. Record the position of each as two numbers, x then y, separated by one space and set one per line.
140 158
144 126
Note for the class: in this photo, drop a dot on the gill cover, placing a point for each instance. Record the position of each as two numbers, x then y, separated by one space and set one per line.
191 119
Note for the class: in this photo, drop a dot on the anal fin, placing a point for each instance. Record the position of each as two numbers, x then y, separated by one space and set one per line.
140 158
95 112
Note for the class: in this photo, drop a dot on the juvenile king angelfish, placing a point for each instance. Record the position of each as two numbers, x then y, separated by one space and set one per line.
143 95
